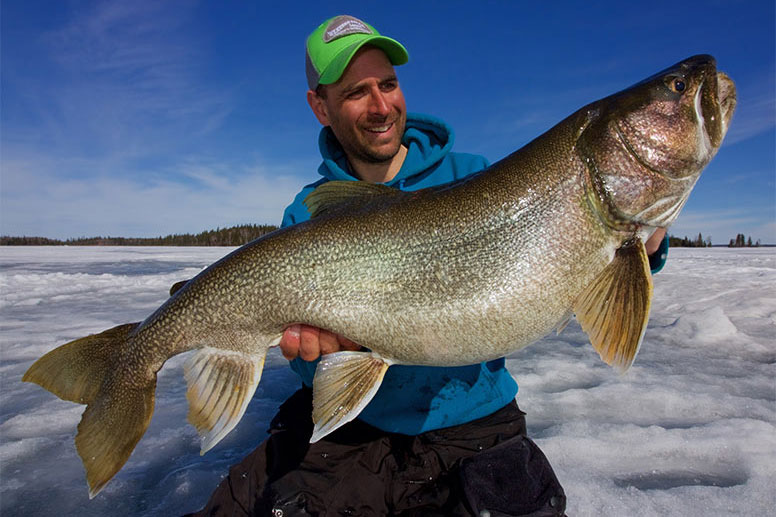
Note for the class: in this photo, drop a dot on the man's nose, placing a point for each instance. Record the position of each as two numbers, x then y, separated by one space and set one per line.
378 104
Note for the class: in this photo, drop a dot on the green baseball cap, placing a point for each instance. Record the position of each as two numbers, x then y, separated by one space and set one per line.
334 43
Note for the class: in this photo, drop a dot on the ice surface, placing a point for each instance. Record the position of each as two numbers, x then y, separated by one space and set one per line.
689 430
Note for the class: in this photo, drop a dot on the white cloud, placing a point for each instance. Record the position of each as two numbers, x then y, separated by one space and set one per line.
36 201
120 136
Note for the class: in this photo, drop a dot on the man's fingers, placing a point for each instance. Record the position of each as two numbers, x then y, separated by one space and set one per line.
346 344
328 342
289 343
309 343
653 243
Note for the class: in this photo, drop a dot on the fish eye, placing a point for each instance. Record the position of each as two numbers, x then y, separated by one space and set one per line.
676 84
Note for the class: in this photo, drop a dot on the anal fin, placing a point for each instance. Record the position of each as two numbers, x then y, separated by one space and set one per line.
614 309
344 384
220 386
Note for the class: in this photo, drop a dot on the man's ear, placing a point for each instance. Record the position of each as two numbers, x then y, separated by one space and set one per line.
318 105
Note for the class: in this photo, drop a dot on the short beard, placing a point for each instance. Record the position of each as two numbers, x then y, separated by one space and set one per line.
369 156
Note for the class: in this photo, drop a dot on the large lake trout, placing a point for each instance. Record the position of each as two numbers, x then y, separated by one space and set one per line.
447 276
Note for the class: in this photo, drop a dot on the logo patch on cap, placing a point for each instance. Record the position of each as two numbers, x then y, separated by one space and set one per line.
343 26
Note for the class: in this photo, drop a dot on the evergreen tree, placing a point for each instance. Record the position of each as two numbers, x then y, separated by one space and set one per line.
235 236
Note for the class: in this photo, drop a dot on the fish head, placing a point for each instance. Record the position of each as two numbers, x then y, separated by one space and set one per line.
645 147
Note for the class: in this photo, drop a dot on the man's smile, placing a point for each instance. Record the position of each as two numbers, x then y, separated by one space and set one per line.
379 129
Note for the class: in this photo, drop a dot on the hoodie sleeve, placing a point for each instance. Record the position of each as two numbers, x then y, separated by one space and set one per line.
658 259
471 163
297 212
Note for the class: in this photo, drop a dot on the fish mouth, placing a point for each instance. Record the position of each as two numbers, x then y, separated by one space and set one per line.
726 98
707 112
714 104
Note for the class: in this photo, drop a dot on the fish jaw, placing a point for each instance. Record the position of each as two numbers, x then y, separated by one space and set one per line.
726 93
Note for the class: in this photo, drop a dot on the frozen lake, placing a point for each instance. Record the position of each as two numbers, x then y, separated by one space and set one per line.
689 430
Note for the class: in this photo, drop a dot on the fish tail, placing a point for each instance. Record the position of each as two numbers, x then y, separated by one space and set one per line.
117 413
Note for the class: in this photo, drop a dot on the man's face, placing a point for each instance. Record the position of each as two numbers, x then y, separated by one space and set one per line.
365 108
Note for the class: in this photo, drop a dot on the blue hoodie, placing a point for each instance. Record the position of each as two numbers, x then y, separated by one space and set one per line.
416 399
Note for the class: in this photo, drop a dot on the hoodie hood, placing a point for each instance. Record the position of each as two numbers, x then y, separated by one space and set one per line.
428 141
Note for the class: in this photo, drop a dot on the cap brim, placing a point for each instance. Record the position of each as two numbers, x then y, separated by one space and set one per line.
395 51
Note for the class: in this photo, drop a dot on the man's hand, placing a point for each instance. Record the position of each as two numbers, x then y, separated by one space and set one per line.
653 243
311 342
176 286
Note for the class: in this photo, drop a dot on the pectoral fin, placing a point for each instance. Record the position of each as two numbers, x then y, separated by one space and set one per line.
344 384
220 385
614 309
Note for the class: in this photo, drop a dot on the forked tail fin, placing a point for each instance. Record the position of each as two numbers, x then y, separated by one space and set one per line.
117 413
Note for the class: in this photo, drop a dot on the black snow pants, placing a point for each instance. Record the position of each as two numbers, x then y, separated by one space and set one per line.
488 468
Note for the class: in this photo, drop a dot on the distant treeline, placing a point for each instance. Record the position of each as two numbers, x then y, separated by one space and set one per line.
741 241
234 236
686 242
239 235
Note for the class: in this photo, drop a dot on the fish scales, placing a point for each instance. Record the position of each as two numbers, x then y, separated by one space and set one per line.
451 275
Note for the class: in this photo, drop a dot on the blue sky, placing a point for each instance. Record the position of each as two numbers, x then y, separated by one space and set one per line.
150 118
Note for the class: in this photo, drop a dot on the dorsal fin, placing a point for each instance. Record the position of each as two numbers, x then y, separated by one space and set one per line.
335 195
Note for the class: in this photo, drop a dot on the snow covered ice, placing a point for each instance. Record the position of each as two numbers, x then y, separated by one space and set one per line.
689 430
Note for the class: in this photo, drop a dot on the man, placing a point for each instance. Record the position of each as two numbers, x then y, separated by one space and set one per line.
433 441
